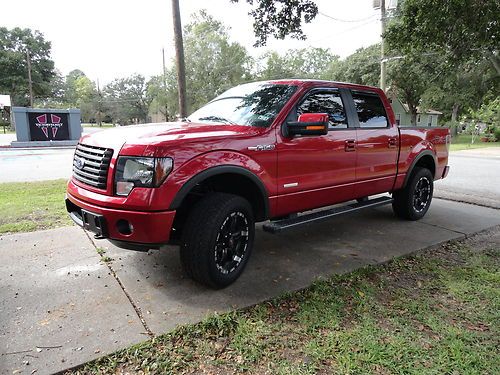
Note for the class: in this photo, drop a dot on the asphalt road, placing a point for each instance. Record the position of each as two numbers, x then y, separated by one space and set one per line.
474 177
35 164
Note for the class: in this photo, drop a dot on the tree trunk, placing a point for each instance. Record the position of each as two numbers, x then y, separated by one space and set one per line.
454 112
495 62
413 115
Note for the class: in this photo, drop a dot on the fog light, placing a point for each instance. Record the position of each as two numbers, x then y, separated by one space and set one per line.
124 227
124 187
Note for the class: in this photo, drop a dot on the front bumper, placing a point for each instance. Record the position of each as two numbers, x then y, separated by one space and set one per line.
150 229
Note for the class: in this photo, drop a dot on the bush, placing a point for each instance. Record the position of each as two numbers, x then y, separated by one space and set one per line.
496 133
455 127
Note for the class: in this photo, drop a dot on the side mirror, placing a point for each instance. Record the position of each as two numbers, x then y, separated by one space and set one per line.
307 124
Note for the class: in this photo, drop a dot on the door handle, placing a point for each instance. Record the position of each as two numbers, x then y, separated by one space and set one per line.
350 145
392 142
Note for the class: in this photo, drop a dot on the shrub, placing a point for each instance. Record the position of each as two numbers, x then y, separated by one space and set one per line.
496 133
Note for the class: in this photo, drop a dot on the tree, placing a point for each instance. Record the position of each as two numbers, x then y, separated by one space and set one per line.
280 18
362 67
489 113
127 99
460 29
461 89
13 64
213 62
298 63
80 92
409 77
160 98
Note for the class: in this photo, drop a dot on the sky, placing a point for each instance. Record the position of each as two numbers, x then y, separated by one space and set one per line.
110 39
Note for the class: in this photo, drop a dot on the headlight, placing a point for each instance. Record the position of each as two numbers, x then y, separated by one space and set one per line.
143 172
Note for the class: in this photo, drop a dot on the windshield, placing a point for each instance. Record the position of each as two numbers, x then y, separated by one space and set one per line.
252 104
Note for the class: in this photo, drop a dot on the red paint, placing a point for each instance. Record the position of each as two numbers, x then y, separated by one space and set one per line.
299 174
148 226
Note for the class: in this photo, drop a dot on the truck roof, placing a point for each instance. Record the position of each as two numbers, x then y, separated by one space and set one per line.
318 82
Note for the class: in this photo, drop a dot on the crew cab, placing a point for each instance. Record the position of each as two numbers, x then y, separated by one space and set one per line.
284 152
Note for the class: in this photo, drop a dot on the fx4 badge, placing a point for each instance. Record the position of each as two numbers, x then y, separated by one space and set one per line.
261 148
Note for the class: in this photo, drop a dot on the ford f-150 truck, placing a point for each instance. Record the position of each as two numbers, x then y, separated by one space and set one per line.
260 152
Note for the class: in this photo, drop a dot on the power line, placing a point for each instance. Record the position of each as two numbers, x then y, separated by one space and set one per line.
341 20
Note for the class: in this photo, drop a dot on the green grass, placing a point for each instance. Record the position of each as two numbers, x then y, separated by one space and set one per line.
7 131
30 206
463 142
433 313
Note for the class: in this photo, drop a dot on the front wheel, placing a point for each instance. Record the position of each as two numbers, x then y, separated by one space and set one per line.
413 201
218 239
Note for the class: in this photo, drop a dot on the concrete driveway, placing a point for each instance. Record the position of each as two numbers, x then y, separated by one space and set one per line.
61 305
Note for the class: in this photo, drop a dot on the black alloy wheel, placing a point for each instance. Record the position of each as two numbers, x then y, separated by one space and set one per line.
422 194
413 201
217 239
232 242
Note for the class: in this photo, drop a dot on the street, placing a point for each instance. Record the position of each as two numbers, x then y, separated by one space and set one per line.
474 177
35 164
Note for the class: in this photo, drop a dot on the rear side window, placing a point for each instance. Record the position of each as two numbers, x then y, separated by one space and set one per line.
328 102
371 111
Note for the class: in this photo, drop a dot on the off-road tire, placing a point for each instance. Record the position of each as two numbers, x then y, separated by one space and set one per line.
203 231
413 201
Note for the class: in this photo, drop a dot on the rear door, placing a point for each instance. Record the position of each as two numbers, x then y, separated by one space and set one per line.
315 171
377 145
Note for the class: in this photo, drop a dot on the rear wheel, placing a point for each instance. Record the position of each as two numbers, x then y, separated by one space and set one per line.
218 239
413 201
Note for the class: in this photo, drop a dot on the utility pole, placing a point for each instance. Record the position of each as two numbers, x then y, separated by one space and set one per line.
30 82
382 49
165 83
99 104
179 58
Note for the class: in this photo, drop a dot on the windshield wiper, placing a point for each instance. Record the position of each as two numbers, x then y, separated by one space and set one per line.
217 118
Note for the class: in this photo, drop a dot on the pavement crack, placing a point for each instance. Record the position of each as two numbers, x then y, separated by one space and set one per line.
464 200
441 227
129 297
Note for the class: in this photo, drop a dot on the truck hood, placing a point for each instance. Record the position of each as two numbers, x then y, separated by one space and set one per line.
165 134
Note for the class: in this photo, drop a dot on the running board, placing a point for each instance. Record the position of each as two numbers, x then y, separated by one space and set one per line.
277 226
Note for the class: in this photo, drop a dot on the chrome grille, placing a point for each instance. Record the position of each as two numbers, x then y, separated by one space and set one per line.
91 164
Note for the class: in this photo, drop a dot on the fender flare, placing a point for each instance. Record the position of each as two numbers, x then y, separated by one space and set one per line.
415 161
218 170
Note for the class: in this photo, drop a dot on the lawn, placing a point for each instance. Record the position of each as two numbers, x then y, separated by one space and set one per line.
436 312
7 131
30 206
463 142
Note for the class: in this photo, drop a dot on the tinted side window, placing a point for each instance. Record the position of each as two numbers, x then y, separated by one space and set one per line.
371 111
326 102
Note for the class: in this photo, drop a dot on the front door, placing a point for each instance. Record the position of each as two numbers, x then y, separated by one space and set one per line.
315 171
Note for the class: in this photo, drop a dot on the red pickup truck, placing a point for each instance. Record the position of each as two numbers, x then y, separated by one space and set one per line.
260 151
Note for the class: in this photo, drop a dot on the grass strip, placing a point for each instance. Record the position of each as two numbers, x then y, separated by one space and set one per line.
463 142
30 206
